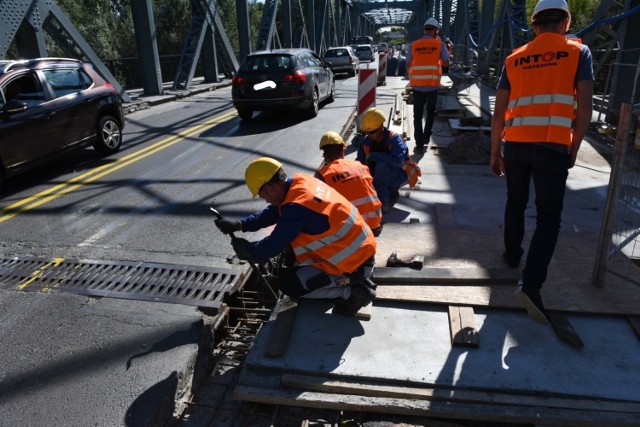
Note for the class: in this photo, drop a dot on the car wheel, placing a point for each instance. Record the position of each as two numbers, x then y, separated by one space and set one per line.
352 73
332 93
245 114
315 104
109 136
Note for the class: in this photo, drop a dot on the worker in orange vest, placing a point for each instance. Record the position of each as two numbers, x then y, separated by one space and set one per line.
425 59
542 129
333 246
351 178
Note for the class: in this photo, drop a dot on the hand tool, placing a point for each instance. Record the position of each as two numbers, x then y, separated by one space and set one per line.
253 265
417 261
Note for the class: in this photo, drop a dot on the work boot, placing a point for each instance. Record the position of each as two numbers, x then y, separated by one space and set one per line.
532 301
361 295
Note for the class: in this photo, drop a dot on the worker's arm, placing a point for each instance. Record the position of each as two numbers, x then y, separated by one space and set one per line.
584 94
497 129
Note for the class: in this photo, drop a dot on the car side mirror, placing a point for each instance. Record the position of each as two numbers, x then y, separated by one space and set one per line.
13 107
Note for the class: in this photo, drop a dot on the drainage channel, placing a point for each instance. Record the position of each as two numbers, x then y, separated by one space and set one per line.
178 284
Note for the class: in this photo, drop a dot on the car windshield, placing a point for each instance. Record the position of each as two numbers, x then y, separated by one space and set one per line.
364 48
263 63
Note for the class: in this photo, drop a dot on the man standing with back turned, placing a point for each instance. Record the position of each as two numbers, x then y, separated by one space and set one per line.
542 130
425 60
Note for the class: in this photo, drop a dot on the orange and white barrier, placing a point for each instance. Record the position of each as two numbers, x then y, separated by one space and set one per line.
366 91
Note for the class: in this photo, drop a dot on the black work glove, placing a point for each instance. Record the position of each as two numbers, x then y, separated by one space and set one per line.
228 226
241 247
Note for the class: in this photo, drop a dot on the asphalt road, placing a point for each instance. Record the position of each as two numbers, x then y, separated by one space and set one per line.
74 360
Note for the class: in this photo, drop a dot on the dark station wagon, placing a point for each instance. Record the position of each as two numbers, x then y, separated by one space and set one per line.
50 106
282 79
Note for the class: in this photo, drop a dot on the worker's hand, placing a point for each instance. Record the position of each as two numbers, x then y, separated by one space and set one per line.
497 165
228 226
241 247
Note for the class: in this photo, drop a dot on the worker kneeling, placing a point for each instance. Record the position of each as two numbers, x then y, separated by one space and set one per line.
333 246
351 178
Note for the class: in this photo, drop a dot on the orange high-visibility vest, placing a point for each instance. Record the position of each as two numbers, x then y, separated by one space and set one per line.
348 242
410 167
541 100
353 180
426 65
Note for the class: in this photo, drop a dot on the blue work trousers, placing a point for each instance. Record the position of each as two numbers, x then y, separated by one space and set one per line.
387 180
549 170
422 100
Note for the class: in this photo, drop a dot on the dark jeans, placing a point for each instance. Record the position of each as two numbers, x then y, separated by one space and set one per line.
548 168
420 100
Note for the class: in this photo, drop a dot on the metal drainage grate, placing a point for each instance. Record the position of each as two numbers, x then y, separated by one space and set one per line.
179 284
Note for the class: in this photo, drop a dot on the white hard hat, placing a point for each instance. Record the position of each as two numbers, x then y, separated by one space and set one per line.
550 4
431 22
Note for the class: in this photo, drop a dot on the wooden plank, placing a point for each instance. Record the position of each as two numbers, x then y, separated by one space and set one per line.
285 314
446 275
564 329
536 415
499 297
497 397
635 324
462 326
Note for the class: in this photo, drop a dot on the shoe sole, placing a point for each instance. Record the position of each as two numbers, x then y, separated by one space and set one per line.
534 312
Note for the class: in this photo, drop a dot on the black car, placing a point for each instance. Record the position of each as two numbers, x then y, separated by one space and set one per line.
282 79
49 106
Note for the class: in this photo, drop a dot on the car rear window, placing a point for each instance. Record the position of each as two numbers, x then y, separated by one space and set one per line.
336 53
263 63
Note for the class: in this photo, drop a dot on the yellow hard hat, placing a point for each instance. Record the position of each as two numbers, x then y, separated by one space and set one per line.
331 138
259 172
372 119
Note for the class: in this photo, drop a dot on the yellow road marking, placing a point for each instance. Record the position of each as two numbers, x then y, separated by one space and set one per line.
73 184
38 273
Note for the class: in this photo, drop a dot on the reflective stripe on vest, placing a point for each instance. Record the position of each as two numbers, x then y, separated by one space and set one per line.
557 98
539 121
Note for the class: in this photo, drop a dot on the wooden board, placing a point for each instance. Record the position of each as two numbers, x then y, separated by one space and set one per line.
591 302
445 403
445 276
466 253
462 326
375 389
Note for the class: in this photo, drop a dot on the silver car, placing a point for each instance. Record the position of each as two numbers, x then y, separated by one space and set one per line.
342 60
365 52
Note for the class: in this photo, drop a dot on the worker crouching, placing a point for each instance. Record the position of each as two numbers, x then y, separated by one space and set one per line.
333 246
351 178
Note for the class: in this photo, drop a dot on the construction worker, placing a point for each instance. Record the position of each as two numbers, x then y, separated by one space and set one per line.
386 154
333 246
542 130
425 59
351 178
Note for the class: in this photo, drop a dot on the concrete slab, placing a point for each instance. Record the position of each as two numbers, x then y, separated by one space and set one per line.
410 344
